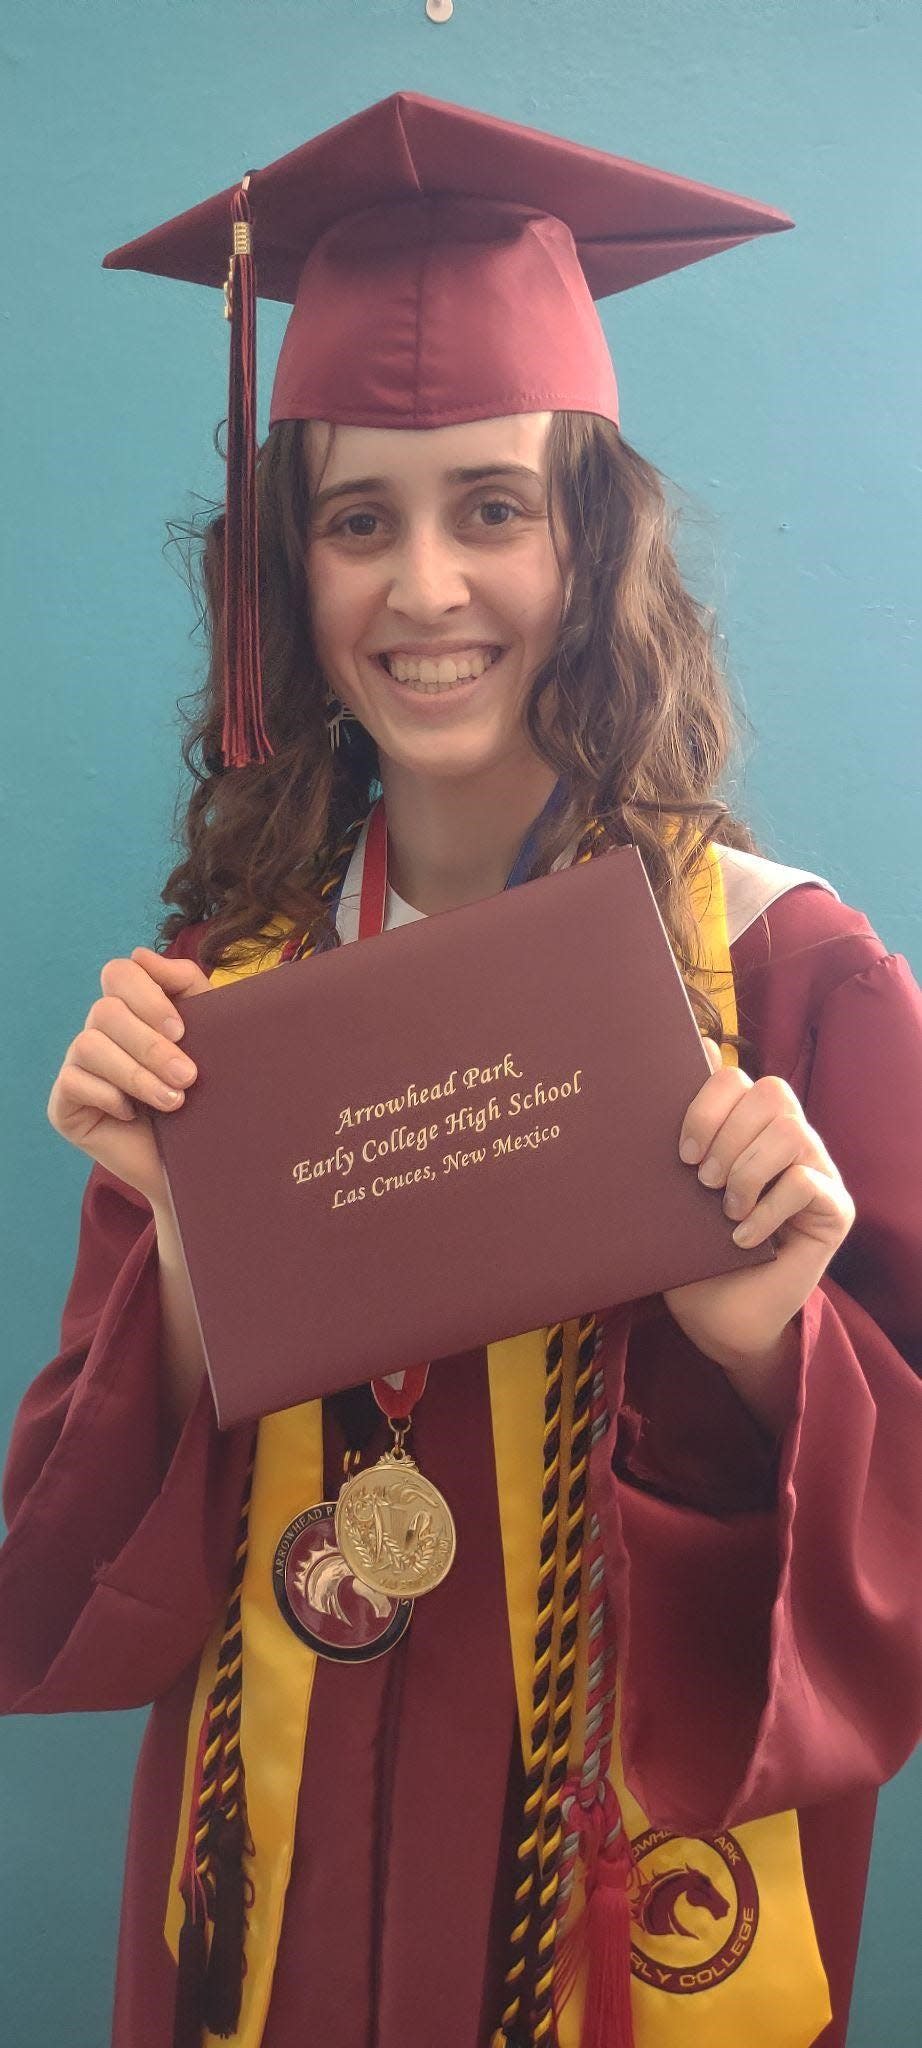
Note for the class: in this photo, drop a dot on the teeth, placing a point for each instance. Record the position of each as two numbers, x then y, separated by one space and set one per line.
432 677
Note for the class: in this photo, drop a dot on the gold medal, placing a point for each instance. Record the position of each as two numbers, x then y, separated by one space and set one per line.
394 1528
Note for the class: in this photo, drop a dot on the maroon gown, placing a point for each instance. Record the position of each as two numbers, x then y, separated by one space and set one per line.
770 1625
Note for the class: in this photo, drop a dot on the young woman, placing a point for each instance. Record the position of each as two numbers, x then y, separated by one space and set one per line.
472 634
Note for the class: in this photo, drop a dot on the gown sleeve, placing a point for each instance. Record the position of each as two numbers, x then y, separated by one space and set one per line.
767 1594
120 1538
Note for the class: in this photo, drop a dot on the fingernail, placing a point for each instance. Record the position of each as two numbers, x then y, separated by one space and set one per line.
744 1233
173 1027
711 1173
690 1151
181 1070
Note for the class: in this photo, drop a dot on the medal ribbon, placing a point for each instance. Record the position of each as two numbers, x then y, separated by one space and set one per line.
373 898
396 1392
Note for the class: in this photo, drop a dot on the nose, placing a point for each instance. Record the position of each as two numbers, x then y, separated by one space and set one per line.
428 578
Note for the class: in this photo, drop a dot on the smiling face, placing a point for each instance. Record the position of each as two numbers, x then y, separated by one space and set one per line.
435 591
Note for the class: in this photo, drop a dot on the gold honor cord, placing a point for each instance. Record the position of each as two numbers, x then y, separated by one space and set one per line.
552 1824
214 1888
218 1827
556 1630
528 1852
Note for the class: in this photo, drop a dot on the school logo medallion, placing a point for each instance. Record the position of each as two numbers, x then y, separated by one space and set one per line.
695 1910
321 1599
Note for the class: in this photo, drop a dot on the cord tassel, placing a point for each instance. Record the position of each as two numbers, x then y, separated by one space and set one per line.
607 2020
190 1982
224 1978
244 736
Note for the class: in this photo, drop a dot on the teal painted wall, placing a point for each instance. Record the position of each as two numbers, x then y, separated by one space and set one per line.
778 386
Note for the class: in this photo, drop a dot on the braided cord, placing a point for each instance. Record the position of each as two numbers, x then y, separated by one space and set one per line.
600 1684
593 841
552 1823
539 1744
218 1772
556 1636
218 1786
593 1818
228 1691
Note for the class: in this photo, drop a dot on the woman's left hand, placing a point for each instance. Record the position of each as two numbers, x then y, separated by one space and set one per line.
752 1139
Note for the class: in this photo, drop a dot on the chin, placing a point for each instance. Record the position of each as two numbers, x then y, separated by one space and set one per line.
446 757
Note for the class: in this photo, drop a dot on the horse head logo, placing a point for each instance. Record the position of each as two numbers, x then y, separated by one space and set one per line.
655 1908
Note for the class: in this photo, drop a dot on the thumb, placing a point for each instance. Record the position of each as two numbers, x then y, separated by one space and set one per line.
176 977
715 1057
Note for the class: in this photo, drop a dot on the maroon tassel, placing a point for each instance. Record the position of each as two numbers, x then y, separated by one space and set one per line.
244 737
190 1983
224 1979
607 2021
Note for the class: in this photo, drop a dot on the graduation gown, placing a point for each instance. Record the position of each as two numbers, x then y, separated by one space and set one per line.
771 1636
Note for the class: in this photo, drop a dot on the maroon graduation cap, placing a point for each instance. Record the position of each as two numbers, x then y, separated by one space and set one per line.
442 266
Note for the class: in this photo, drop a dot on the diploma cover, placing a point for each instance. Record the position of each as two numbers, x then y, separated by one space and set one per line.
458 1130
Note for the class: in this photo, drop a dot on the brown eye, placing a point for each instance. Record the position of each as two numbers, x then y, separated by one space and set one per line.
348 524
498 505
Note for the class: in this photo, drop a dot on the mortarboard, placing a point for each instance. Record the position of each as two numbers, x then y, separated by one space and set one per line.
442 266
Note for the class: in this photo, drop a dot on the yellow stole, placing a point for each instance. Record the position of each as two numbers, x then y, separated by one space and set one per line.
750 1973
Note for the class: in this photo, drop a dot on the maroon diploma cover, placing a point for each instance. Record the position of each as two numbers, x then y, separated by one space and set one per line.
461 1129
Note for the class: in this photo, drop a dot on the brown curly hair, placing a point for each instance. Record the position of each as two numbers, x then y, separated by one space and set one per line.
638 718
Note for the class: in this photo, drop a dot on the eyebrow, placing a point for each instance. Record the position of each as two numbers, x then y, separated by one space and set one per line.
450 476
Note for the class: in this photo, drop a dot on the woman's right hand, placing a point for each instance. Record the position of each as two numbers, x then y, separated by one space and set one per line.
119 1066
